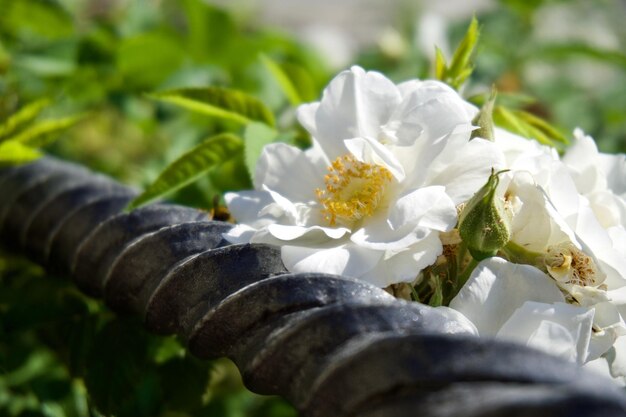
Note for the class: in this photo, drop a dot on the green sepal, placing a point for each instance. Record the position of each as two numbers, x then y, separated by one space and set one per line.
484 119
483 224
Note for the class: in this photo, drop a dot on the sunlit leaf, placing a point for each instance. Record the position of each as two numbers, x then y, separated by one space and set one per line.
460 66
461 58
529 126
43 132
256 136
436 299
440 64
22 117
302 78
147 59
193 164
44 66
282 79
219 102
13 153
231 175
28 18
552 132
505 118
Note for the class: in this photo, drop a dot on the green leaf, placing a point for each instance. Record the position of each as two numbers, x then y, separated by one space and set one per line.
529 126
22 117
32 20
219 102
14 153
188 372
117 364
508 120
256 136
460 67
147 59
43 132
436 299
190 166
440 64
540 124
282 79
462 55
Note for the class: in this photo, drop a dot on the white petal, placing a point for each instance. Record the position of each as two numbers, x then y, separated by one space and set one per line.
464 168
457 321
610 325
614 167
245 206
406 265
288 171
348 259
241 233
370 151
306 116
559 329
599 244
355 104
438 117
497 288
617 358
377 234
428 207
598 366
311 233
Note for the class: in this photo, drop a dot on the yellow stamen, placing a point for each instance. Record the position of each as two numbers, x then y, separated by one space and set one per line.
568 264
353 190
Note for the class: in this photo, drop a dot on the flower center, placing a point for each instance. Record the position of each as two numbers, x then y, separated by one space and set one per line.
353 191
568 264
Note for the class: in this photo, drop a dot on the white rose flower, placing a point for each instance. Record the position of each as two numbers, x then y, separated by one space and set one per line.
388 166
571 258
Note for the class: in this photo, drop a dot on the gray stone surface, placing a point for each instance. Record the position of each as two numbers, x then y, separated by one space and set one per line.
489 399
306 345
369 367
198 284
73 229
139 269
44 222
96 254
238 314
14 188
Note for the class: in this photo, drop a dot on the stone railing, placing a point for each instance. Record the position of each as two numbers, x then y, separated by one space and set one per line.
330 345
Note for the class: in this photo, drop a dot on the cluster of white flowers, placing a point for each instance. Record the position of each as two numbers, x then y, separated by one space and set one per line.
378 196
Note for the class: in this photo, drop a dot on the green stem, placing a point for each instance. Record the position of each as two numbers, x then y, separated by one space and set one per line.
464 276
518 254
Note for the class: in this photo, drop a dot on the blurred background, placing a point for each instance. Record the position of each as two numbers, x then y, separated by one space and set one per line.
563 60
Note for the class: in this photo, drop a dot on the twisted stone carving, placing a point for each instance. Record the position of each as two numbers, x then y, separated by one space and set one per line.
333 346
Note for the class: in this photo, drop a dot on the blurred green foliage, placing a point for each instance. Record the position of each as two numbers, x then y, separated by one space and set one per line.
62 354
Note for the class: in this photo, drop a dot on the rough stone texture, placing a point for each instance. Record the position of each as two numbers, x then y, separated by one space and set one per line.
221 328
15 185
97 253
143 264
332 346
44 222
200 282
73 229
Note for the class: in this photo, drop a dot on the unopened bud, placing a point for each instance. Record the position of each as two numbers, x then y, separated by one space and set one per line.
483 223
